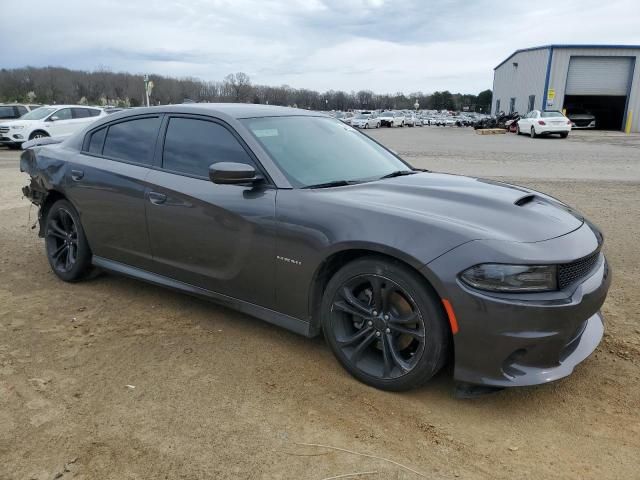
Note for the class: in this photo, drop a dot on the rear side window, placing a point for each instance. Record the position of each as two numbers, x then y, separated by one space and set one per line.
191 145
7 112
133 140
80 113
96 141
21 110
93 112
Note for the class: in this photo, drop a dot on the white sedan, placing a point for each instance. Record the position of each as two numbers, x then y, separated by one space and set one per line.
365 120
536 123
391 119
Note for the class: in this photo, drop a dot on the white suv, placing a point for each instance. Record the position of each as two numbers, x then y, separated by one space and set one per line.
50 121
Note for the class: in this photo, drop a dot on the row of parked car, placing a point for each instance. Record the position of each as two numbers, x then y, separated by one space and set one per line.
20 123
402 118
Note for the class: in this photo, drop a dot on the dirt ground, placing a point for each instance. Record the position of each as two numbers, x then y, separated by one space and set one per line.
117 379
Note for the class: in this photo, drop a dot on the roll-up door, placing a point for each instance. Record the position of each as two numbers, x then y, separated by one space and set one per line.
599 76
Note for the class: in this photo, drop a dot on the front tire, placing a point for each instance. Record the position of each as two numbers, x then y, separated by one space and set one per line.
384 325
66 245
518 132
38 134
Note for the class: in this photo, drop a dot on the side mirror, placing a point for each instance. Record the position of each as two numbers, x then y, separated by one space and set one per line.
53 118
231 173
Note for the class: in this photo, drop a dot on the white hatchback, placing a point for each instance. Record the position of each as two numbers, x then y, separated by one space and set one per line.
538 122
51 121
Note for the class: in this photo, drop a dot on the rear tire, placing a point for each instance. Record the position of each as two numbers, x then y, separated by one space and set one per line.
564 135
66 245
384 325
533 132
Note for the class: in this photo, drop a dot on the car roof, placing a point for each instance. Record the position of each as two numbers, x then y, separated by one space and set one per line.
234 110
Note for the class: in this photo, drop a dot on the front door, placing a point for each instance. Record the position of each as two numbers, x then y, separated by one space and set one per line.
60 124
217 237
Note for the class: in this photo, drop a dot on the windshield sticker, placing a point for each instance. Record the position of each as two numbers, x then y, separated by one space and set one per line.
269 132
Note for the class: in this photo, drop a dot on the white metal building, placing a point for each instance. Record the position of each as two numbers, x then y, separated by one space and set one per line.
601 79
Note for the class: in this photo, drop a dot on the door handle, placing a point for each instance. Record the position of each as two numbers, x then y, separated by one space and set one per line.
77 175
157 198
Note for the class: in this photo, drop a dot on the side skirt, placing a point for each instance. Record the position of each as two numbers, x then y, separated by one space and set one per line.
290 323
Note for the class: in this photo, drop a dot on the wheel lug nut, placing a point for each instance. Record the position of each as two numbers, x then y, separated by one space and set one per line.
369 323
377 334
375 312
386 317
388 330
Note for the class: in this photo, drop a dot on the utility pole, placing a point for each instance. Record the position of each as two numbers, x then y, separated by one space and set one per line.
148 87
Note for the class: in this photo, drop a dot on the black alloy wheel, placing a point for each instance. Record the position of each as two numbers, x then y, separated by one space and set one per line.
383 325
67 248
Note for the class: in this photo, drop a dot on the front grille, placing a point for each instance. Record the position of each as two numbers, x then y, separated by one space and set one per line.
571 272
582 123
4 129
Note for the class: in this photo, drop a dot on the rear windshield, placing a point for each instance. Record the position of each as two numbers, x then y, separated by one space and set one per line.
551 114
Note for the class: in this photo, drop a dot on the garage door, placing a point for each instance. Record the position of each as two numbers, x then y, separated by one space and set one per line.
599 76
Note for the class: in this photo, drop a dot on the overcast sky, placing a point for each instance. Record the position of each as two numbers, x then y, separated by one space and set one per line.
382 45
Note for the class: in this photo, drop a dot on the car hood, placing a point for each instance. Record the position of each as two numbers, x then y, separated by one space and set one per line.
478 208
13 123
581 116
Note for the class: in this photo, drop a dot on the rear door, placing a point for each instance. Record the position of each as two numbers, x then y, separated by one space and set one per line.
217 237
83 117
106 183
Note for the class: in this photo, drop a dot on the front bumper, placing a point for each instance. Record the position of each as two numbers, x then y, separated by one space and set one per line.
525 339
12 137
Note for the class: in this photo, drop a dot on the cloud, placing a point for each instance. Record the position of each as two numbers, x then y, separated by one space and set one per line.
383 45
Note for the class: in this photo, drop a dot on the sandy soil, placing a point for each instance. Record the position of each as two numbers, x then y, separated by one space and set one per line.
116 379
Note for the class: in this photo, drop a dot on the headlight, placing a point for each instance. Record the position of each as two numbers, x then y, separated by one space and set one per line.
17 127
511 278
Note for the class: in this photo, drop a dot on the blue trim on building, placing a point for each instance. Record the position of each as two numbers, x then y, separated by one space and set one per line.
546 81
557 46
626 104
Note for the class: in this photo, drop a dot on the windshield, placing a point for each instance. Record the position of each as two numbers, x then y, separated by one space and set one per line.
38 113
317 150
386 114
551 114
362 116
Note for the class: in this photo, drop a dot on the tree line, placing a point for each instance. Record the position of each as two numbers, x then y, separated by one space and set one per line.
50 85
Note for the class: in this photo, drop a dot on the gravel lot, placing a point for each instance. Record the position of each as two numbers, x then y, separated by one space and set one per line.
222 395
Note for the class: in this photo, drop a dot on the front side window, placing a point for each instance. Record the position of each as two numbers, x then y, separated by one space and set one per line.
191 146
64 114
133 140
317 150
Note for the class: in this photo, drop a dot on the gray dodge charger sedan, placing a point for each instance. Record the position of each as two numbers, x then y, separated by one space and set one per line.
300 220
